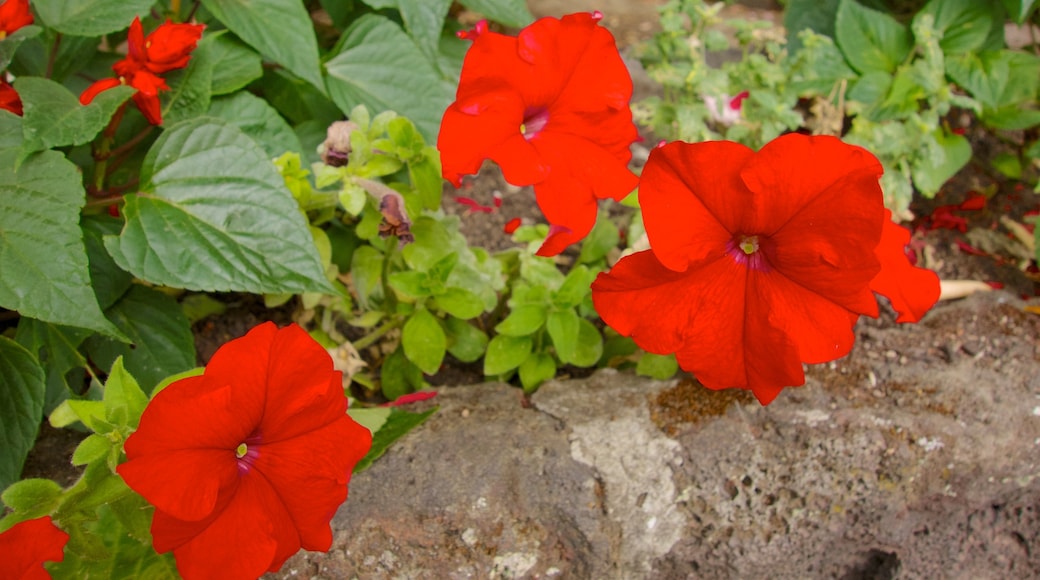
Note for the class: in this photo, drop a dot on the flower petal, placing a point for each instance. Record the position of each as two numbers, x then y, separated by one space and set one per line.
693 200
170 45
87 96
911 290
27 545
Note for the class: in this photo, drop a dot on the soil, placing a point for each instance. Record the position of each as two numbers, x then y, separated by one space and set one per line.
943 250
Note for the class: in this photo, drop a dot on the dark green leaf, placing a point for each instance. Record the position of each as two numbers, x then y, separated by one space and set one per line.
396 426
964 24
110 281
235 65
190 88
22 391
43 263
53 116
815 15
505 353
399 376
423 341
162 340
219 218
57 349
280 30
12 41
379 66
869 39
1019 9
89 17
254 117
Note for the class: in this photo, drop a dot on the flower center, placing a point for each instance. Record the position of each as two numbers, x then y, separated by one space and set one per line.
746 251
749 244
241 451
246 453
535 119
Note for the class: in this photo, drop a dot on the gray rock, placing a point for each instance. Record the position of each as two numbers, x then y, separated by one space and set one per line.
917 456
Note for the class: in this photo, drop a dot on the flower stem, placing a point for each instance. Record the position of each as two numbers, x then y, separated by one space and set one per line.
371 338
52 56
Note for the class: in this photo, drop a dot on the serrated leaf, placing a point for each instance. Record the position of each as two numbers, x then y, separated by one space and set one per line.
218 218
254 117
964 24
280 30
54 117
43 263
424 342
465 341
235 65
510 12
396 426
505 353
869 39
538 368
190 88
162 342
89 17
22 391
379 66
523 320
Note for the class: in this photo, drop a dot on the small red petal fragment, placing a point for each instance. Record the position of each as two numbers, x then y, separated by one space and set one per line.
497 196
512 225
480 28
995 285
597 15
969 249
410 398
958 131
736 102
975 202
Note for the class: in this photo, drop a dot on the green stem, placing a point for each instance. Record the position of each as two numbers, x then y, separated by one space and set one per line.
371 338
103 151
52 56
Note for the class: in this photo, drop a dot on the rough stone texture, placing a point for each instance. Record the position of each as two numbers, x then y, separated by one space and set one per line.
917 456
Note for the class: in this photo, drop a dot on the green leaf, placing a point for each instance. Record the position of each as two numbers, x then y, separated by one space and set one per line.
190 88
535 370
235 65
53 116
22 390
424 342
423 19
929 176
460 303
964 25
1018 10
869 39
254 117
93 448
219 217
366 270
576 286
57 349
509 12
124 400
162 340
280 30
657 366
1011 118
43 263
815 15
523 320
89 17
110 281
399 376
563 328
397 425
465 341
410 283
32 498
997 79
11 42
505 353
589 347
603 238
378 65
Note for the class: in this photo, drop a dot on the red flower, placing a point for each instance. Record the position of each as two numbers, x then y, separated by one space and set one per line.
911 290
14 14
9 99
248 462
759 261
27 545
167 48
550 106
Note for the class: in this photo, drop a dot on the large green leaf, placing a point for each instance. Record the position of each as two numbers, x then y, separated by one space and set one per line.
510 12
280 30
43 264
162 341
235 65
815 15
57 348
21 407
190 88
379 66
89 17
259 120
53 116
216 217
869 39
965 25
997 79
423 19
12 41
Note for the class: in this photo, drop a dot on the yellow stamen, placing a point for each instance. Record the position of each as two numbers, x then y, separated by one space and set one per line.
241 450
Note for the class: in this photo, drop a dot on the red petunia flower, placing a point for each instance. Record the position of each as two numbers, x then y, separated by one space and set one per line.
27 545
248 462
550 106
9 99
14 14
912 291
758 262
167 48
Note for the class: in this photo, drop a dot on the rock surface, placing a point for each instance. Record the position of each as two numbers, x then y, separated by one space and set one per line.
917 456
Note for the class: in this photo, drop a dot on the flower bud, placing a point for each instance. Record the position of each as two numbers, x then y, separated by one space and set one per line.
335 151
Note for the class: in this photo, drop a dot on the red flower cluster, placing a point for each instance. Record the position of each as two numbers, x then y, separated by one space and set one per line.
760 261
550 106
14 14
167 48
27 545
248 462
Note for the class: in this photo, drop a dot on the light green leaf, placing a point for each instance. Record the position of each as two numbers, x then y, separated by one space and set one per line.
505 353
53 116
124 400
162 340
603 238
43 263
929 176
538 368
657 366
423 19
589 347
563 328
399 376
31 499
92 448
235 65
22 392
510 12
89 17
523 320
466 342
869 39
379 66
410 284
280 30
424 342
218 218
254 117
576 286
460 303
